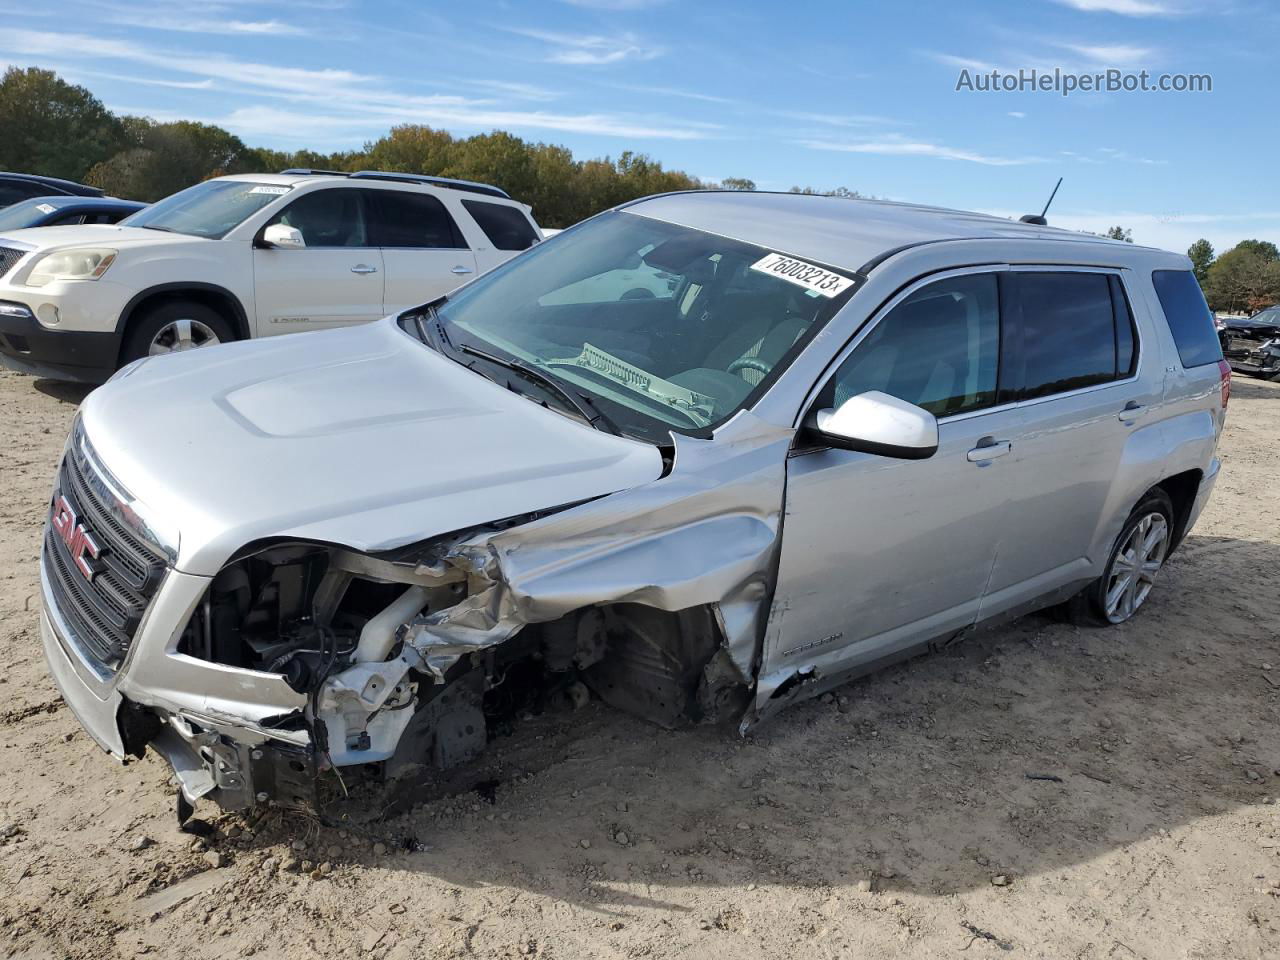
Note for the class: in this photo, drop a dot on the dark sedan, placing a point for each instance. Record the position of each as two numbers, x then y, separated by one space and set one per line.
66 211
1253 345
23 186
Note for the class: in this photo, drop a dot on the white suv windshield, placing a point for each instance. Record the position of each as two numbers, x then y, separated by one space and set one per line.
210 209
666 326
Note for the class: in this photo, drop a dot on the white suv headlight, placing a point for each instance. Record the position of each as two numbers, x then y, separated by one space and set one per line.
81 263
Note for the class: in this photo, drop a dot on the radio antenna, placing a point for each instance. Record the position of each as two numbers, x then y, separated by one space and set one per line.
1039 219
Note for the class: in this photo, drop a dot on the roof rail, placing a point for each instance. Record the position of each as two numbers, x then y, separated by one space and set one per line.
309 172
467 185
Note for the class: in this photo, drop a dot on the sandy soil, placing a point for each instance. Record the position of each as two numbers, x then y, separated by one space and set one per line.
899 821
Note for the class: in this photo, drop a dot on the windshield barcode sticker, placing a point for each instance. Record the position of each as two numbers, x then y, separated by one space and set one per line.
279 191
806 275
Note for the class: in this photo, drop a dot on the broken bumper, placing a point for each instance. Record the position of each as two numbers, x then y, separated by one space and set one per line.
207 721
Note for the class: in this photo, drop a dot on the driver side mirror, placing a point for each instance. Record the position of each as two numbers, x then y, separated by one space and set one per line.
874 422
283 237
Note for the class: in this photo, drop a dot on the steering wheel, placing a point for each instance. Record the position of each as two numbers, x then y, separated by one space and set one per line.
761 367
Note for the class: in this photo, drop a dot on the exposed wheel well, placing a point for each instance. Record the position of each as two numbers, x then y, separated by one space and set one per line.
1181 489
215 298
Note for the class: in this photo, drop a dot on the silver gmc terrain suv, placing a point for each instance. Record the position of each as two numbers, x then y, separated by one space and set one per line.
698 457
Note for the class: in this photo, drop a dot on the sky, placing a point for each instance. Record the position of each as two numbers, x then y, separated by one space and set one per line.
818 93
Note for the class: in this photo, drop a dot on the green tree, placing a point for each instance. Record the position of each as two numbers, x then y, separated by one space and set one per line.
1243 280
1201 254
737 183
168 157
1263 248
1120 233
51 127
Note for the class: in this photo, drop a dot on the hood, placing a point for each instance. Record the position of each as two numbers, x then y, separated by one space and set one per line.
91 234
362 436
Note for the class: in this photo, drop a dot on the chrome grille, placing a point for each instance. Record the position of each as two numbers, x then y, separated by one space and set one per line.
104 611
8 257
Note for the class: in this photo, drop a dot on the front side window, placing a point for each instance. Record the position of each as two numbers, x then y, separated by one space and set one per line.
666 326
402 219
327 218
1189 318
1069 332
506 227
938 349
211 209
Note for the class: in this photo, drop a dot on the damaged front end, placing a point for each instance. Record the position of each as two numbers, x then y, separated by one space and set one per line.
403 664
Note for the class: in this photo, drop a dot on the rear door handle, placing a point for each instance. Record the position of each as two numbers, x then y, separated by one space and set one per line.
988 448
363 268
460 269
1132 411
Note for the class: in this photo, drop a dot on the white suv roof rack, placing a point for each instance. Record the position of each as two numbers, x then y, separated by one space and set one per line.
469 186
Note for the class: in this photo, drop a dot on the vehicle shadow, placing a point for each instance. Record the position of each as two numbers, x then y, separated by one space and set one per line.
1019 753
64 391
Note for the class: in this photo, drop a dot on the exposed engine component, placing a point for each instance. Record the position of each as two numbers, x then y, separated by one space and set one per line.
337 627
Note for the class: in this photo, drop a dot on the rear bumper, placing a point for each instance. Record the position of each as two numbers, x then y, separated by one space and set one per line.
28 346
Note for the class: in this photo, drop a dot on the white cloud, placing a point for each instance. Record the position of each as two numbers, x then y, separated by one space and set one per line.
584 49
1169 231
340 99
1111 55
1128 8
1017 114
616 4
212 27
900 147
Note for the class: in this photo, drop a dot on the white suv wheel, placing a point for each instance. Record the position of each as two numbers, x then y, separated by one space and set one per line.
182 334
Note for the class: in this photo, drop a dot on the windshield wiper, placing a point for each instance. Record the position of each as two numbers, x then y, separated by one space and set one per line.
580 402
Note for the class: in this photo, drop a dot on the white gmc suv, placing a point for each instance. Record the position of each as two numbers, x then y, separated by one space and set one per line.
245 256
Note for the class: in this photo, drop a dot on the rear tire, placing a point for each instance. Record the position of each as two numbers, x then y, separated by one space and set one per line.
174 327
1135 560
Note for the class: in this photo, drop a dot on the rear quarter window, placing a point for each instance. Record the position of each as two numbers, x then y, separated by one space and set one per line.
506 227
1188 317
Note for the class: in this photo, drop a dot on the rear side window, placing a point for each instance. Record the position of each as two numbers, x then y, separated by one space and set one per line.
1074 333
506 227
402 219
1189 319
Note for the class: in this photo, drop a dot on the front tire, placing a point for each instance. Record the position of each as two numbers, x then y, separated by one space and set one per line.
175 327
1135 561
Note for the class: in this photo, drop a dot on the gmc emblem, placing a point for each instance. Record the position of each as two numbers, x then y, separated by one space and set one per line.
80 543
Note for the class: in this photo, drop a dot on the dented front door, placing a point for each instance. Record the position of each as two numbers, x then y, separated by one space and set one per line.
881 554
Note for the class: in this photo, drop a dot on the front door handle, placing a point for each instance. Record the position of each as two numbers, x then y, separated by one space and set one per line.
988 448
363 268
460 269
1132 411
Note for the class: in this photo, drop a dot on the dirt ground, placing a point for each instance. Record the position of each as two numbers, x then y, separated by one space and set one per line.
1041 791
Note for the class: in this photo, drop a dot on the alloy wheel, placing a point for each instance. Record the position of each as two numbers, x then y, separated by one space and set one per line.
180 335
1135 565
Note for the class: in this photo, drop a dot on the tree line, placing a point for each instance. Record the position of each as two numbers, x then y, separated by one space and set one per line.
59 129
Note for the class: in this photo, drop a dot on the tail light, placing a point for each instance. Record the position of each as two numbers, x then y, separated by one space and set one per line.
1224 370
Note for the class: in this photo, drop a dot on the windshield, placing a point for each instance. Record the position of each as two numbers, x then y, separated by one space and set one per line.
1268 316
669 327
211 209
28 213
